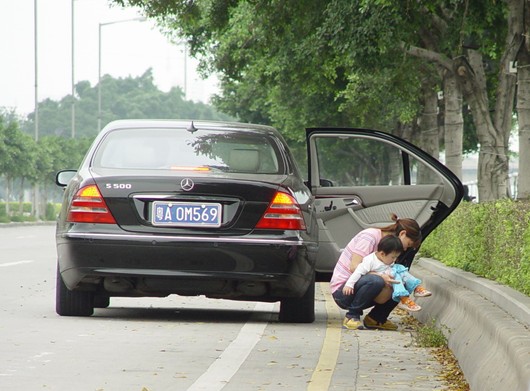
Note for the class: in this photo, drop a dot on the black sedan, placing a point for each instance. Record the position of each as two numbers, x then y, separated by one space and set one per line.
221 210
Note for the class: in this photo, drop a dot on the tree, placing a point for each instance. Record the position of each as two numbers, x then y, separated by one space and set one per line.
493 128
122 98
17 158
24 162
57 153
328 45
280 64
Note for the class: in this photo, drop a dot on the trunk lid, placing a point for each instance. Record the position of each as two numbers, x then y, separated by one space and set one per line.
240 199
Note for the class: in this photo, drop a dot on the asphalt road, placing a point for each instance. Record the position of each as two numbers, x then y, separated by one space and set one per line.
183 343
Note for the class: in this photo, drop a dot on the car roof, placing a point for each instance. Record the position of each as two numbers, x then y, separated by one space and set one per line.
181 123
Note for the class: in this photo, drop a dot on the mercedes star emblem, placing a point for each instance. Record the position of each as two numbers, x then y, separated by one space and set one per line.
186 184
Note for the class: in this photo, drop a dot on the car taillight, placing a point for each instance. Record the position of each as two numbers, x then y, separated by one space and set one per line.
282 213
88 206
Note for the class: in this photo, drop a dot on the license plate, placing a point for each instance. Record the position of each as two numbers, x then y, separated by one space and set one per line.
186 214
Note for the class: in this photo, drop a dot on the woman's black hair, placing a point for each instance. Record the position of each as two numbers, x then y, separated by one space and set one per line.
410 226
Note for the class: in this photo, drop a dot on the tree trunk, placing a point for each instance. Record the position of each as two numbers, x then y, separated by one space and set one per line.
429 130
505 96
8 195
44 200
453 124
492 161
21 198
36 204
396 171
523 112
428 122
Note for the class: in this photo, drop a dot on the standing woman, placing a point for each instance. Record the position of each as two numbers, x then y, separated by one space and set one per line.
372 289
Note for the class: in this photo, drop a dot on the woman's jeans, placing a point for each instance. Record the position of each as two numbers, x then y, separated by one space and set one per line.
365 291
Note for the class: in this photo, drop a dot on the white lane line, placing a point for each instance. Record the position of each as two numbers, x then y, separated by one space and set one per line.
39 358
221 371
15 263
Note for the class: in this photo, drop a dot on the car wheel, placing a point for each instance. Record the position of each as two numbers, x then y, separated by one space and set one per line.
101 301
72 303
299 309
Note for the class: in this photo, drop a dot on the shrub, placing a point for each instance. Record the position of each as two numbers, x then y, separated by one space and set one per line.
490 239
52 210
50 213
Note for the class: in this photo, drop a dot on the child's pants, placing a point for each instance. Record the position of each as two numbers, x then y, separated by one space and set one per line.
407 282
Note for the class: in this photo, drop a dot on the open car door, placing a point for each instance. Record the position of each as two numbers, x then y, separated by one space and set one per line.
360 177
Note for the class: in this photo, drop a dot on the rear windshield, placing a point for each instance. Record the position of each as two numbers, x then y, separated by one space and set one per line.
178 149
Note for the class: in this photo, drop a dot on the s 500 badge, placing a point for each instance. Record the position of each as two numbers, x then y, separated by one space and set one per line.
118 186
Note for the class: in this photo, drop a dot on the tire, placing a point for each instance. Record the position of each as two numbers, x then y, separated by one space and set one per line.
72 303
299 309
101 301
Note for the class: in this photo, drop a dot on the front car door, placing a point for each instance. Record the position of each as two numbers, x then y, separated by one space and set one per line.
360 177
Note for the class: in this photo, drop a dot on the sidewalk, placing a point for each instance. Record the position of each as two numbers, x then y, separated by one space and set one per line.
389 360
487 326
381 360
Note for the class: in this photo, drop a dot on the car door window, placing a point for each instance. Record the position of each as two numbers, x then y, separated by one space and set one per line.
350 161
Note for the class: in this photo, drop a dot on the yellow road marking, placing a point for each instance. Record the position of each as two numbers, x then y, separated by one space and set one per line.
321 378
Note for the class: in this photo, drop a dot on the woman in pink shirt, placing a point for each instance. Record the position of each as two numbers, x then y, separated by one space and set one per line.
371 289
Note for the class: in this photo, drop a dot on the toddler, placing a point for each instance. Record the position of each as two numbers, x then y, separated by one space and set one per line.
383 261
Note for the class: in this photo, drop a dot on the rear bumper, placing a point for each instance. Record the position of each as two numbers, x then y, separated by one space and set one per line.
256 268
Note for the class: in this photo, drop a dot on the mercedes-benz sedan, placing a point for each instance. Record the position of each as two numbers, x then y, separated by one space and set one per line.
221 209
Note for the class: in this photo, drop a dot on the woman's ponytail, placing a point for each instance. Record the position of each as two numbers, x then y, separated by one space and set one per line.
410 226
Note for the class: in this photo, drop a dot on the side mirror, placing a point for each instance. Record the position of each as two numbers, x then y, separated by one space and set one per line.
64 176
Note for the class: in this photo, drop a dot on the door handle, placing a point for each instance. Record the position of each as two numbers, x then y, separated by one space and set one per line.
353 202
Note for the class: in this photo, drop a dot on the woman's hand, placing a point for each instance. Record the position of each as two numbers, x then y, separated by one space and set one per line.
347 290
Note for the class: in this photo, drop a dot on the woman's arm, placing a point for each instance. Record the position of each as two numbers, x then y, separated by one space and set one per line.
355 261
386 293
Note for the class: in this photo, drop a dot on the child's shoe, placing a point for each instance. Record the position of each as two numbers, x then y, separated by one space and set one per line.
421 292
408 304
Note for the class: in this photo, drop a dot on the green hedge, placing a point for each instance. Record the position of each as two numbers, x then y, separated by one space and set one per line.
489 239
50 213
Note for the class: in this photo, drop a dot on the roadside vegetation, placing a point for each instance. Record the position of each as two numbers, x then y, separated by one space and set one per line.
489 239
445 75
30 157
22 212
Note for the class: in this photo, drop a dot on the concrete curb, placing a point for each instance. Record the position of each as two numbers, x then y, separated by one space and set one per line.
26 224
487 325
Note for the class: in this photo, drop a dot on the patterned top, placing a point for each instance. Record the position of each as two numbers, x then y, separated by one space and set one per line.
364 243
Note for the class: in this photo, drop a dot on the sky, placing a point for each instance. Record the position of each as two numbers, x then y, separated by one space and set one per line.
128 48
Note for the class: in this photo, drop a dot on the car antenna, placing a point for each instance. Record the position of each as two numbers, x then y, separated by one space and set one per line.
192 128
